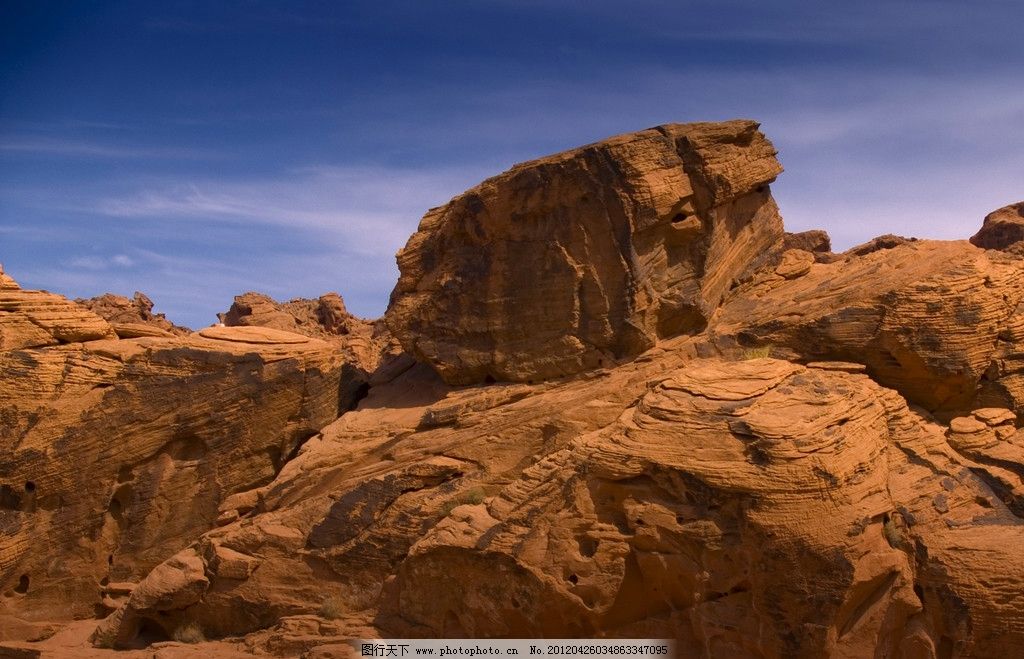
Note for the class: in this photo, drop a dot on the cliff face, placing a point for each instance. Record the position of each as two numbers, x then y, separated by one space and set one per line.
701 428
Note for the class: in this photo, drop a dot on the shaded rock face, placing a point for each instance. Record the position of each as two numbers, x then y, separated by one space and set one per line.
605 249
132 318
1002 229
115 453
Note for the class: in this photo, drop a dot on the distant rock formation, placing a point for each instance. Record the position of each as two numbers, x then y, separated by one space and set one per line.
367 345
132 318
323 318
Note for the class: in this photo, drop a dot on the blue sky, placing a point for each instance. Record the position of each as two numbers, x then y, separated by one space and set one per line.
197 150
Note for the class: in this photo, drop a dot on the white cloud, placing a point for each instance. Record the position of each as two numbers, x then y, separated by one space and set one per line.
366 211
48 146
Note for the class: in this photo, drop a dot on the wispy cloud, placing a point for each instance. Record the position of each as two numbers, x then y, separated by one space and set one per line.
369 211
101 262
49 146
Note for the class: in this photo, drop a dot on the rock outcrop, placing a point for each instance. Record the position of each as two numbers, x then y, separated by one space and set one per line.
929 319
34 319
115 453
132 318
323 318
1002 229
370 351
605 249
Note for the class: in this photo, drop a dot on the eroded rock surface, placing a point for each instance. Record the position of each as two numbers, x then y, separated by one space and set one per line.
930 319
605 249
115 453
756 508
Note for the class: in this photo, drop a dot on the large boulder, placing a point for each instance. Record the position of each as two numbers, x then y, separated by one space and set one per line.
581 258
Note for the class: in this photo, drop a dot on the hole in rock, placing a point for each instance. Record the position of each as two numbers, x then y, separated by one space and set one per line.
679 217
110 559
588 547
515 603
919 592
150 632
186 447
22 586
30 487
489 379
762 188
116 509
573 579
104 581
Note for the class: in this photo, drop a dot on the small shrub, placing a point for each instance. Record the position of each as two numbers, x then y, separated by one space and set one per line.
760 352
893 533
333 607
189 632
473 496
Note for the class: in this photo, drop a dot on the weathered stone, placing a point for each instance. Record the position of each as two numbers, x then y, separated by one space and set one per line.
1002 229
925 317
114 454
605 249
132 318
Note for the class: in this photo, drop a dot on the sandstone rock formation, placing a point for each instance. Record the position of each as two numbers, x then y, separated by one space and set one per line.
714 432
1002 229
33 319
605 249
815 241
322 318
931 319
132 318
368 347
114 453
